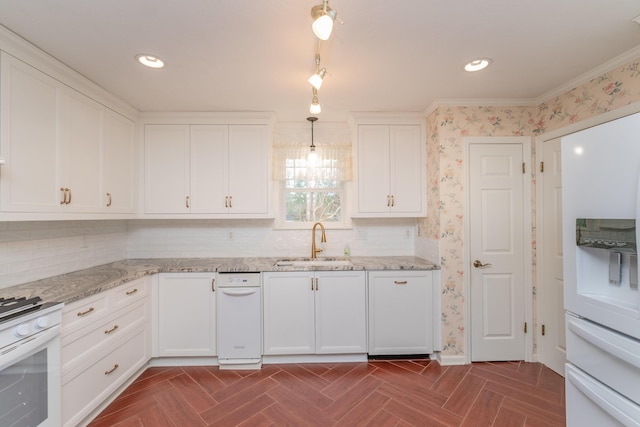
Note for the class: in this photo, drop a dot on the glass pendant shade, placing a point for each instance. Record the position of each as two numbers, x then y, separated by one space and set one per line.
316 79
315 107
322 27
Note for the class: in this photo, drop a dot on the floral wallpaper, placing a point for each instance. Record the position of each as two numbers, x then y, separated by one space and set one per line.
447 126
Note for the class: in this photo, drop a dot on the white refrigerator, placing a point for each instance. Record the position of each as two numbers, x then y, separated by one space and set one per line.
601 219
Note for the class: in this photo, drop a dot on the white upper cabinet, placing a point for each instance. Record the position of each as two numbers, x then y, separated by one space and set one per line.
248 162
83 136
166 154
391 169
31 138
209 169
62 149
119 191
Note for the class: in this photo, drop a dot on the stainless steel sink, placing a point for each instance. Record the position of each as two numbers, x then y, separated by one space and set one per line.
311 262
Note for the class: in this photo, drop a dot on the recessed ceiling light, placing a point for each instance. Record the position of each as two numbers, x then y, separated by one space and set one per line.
477 64
150 61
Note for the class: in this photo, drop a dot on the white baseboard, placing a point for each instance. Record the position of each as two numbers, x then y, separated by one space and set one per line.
452 360
313 358
184 361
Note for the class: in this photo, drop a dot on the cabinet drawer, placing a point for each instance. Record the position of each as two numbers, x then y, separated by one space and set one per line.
83 344
85 391
84 312
131 292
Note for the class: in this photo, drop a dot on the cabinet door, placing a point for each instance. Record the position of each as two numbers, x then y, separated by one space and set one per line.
166 168
374 194
341 320
400 312
83 131
406 169
248 169
119 189
208 160
288 313
30 138
186 314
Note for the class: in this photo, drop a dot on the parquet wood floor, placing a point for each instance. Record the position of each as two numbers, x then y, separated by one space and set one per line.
377 393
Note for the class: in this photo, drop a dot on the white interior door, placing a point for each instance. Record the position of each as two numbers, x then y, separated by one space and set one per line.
551 293
496 249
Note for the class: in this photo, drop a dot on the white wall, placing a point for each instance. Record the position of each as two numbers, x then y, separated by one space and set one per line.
34 250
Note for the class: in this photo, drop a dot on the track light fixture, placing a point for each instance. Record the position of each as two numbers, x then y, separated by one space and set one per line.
318 76
323 17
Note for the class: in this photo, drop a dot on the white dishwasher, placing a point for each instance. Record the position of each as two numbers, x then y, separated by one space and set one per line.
239 321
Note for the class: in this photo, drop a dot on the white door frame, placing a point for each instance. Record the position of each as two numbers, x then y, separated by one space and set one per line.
539 142
528 235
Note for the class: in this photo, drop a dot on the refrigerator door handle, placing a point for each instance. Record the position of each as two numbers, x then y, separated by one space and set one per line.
603 339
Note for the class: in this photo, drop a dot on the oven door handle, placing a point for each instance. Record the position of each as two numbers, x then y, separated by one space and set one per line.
16 351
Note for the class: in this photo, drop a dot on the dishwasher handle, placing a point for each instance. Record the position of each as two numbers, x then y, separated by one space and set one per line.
238 292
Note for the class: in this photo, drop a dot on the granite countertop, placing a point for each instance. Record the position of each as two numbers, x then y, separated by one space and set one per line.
83 283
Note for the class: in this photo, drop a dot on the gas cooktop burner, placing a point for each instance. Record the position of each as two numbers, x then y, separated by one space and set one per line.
14 307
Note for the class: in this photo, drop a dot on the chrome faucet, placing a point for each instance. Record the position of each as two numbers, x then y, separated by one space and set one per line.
323 239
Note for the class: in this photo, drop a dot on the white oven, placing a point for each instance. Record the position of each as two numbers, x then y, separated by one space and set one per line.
30 386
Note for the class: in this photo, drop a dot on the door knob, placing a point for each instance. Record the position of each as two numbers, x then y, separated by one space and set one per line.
478 264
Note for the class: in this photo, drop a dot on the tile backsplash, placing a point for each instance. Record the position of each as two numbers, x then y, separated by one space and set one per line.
34 250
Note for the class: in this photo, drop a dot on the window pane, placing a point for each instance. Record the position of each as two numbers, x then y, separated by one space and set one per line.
303 206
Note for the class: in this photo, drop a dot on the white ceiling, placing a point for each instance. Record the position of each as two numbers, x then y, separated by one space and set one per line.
400 55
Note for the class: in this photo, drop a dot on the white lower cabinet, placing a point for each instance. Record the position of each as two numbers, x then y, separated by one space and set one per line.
186 315
401 312
322 312
105 341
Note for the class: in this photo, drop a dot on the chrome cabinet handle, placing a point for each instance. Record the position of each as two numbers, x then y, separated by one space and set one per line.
84 313
108 331
478 264
109 197
110 371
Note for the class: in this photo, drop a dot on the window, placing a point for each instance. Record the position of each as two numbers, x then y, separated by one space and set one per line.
312 189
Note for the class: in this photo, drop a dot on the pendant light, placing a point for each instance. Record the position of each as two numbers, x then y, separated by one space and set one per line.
313 156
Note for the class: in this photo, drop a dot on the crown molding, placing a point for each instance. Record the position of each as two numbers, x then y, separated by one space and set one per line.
25 51
608 66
